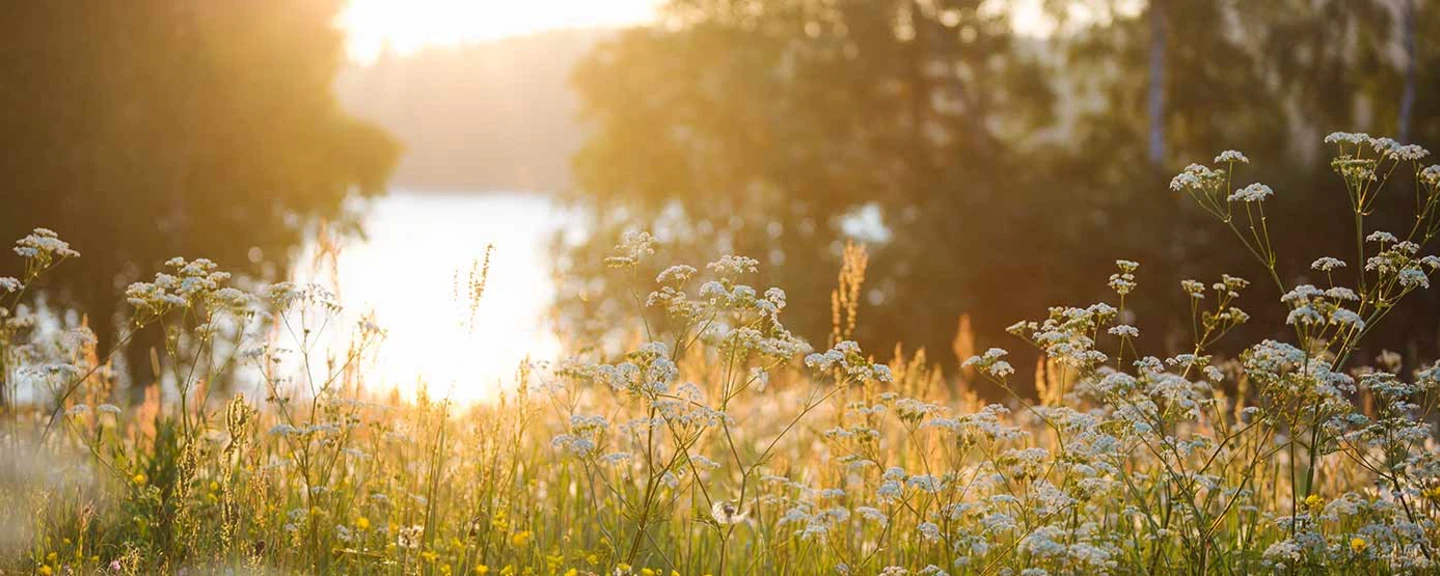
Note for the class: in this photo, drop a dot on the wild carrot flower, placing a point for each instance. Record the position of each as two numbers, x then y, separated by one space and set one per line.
1252 193
409 537
725 512
1231 156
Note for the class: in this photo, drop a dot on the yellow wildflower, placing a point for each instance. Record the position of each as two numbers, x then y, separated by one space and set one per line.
362 523
1358 545
482 569
521 539
139 479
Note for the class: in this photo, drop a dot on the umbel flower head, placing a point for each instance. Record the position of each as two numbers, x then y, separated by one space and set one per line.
725 513
41 250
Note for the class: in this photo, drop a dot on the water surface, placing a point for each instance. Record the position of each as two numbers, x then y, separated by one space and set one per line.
406 271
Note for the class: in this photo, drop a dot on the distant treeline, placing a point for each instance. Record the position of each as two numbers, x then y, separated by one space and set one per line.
1009 170
487 116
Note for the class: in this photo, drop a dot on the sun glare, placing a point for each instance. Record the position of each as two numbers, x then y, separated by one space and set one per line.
410 273
409 25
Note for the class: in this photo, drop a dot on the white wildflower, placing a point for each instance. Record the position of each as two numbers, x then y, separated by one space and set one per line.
1124 331
1413 277
1304 315
677 274
725 512
1431 175
1231 156
731 265
873 515
1348 138
44 246
1346 317
409 537
1194 288
1253 193
1381 237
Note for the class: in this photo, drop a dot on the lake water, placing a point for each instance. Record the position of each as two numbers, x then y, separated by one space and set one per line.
406 270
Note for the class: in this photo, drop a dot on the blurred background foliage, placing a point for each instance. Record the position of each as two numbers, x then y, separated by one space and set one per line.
142 130
994 174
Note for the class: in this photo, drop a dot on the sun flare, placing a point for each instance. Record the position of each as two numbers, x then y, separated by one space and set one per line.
409 278
409 25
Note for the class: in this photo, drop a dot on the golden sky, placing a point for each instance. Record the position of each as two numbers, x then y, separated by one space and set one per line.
408 25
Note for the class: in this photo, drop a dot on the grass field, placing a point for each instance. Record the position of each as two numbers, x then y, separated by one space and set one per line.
721 443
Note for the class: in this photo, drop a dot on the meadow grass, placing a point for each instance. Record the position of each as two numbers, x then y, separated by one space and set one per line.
721 443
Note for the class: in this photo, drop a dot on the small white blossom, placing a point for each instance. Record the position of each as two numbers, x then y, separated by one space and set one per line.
1231 156
1414 277
725 512
1431 175
1381 237
678 274
1253 193
1348 138
1124 330
731 265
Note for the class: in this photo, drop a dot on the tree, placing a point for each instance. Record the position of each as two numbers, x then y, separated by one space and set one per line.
139 130
1008 172
768 123
1270 79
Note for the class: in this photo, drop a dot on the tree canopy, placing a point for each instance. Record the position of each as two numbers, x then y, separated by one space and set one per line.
136 129
1008 171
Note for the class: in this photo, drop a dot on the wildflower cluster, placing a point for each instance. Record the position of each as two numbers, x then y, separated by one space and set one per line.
713 440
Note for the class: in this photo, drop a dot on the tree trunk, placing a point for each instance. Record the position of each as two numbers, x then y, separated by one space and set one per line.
920 94
1156 97
1407 95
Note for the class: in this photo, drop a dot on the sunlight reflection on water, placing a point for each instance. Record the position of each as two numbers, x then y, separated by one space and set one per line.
405 272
